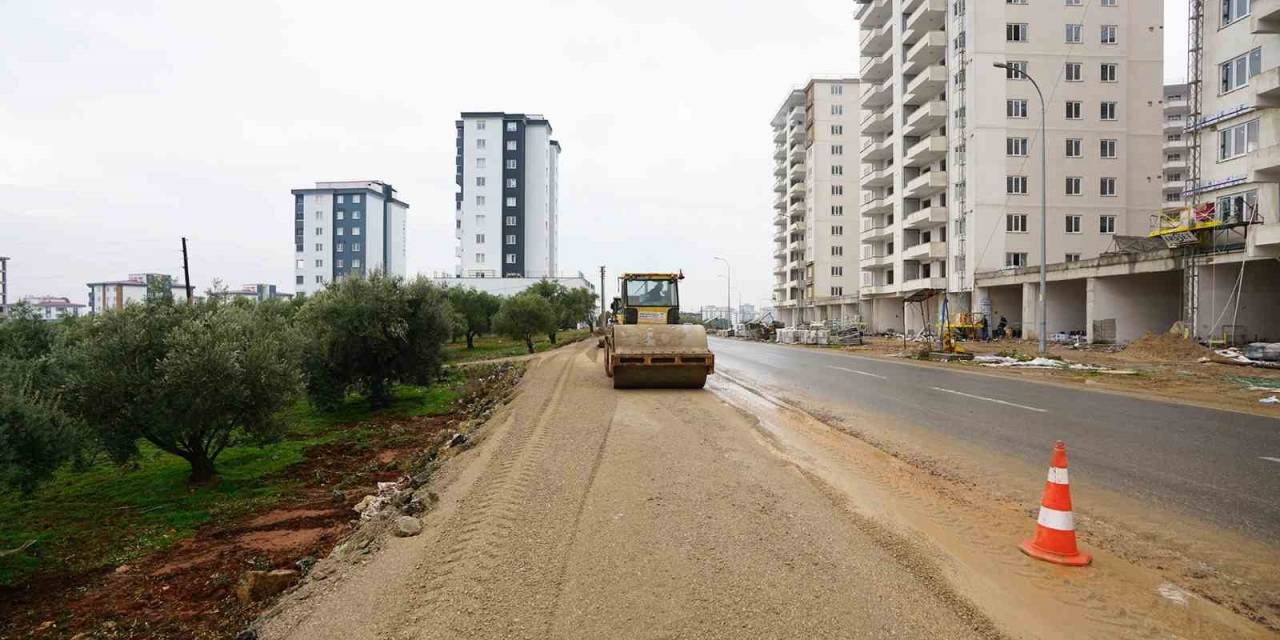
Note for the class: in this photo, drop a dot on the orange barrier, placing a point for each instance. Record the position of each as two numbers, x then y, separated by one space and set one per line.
1055 539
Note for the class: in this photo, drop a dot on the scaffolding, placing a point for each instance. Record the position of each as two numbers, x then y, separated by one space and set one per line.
1191 189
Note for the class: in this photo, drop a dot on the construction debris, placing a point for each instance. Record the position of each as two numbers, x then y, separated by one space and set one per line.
1232 355
1045 363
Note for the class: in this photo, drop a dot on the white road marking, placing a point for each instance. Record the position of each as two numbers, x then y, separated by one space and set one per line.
1011 404
863 373
1271 459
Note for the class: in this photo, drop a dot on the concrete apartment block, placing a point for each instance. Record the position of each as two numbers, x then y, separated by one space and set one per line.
816 191
347 228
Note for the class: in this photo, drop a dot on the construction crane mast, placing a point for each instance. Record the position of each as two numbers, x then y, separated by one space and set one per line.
1192 188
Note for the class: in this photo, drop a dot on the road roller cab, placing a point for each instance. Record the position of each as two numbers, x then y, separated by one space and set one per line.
646 346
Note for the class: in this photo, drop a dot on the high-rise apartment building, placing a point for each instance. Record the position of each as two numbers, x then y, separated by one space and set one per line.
507 204
346 228
817 175
954 144
1174 164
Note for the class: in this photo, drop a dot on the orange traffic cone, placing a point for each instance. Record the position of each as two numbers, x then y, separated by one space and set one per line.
1055 539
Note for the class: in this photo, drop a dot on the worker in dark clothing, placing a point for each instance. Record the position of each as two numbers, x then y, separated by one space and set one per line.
985 329
1000 328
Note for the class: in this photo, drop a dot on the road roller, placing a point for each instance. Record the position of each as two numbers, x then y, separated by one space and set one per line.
645 344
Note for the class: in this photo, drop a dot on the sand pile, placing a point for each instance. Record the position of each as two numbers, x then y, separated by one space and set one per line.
1166 347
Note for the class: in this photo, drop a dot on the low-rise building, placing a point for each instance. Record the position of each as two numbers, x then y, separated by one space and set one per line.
54 308
259 292
110 295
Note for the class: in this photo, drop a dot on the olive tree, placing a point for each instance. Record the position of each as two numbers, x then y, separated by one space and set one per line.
475 310
363 335
524 316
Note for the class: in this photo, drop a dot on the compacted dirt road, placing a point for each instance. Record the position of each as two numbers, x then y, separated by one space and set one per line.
590 513
585 512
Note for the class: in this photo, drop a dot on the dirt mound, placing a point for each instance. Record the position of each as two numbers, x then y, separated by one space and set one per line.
1165 347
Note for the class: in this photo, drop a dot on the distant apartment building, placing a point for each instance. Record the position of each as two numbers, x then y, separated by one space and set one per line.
506 209
259 292
347 228
1174 164
54 308
817 173
110 295
954 144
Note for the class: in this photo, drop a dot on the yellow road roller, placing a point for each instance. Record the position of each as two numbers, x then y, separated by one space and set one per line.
645 344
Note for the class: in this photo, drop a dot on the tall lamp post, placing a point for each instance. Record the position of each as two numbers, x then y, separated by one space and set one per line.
728 295
1044 189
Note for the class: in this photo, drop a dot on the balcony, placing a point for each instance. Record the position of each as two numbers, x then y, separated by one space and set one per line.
874 13
879 94
780 219
876 207
927 117
798 136
797 154
927 184
780 152
926 251
1174 165
779 135
871 262
796 192
780 203
929 16
1173 185
1266 87
876 41
925 218
928 52
876 234
880 290
780 185
877 121
878 149
796 210
1177 105
797 171
1264 164
882 177
1174 124
928 150
922 284
1265 16
926 86
1174 145
877 68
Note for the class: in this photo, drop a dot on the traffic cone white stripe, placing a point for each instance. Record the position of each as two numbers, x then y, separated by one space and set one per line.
1058 476
1057 520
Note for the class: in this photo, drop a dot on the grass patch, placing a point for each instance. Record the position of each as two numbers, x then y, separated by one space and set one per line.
490 347
107 515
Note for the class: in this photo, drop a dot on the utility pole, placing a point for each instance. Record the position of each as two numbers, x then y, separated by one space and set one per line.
186 271
4 283
728 293
602 296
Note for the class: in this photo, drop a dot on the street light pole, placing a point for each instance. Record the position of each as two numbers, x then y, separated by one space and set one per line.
1044 189
728 292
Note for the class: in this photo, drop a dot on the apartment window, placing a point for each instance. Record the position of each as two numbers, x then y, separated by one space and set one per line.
356 198
1016 185
1015 260
1073 185
1015 146
319 262
341 247
1016 70
1015 32
837 149
837 89
1015 223
355 231
837 109
1075 33
479 238
837 271
512 183
512 145
837 250
1236 141
510 239
1108 34
340 215
480 125
1071 257
1073 73
319 231
320 246
342 199
355 247
480 163
339 263
481 143
837 190
355 263
1107 149
1233 10
1108 110
319 279
837 291
1237 207
1106 186
480 201
479 181
512 126
1110 3
339 231
319 214
1236 72
888 276
837 209
479 221
1015 108
511 258
513 164
1073 109
510 221
837 129
1106 224
479 258
1108 71
1073 148
511 202
1015 1
1073 224
1073 3
837 170
837 230
299 279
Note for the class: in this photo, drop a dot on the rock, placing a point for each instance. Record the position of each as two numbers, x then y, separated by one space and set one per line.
124 568
407 527
413 507
304 564
457 440
364 504
247 634
259 585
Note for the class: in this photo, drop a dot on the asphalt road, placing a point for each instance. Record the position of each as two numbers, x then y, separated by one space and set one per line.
1220 466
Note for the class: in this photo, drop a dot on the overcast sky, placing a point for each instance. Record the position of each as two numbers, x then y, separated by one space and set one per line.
125 125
